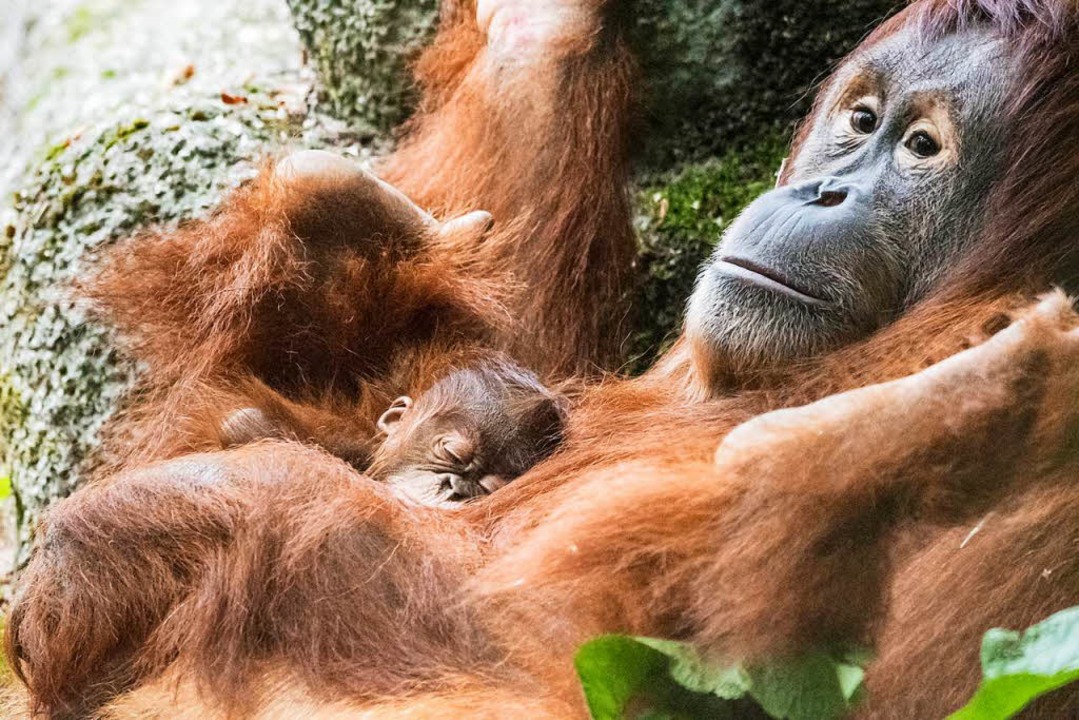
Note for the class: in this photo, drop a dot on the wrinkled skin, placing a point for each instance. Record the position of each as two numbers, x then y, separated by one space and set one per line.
471 433
888 188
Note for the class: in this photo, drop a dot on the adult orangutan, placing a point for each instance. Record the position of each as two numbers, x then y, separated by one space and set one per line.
823 458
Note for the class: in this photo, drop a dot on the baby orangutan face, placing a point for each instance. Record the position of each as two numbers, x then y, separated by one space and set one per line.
470 434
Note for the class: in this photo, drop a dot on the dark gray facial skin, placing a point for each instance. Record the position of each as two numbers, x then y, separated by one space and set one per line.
884 195
472 433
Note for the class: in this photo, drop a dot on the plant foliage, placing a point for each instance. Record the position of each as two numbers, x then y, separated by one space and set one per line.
644 678
1019 667
632 678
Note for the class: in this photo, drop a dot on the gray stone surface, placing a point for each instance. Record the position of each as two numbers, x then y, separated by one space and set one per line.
361 50
722 74
718 73
125 113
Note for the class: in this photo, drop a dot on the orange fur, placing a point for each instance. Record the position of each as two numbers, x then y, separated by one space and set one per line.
322 291
544 148
839 506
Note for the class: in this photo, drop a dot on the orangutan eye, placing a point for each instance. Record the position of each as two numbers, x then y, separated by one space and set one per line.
863 120
922 145
454 450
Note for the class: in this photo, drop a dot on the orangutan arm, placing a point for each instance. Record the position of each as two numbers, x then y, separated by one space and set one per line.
784 543
310 275
214 566
317 278
526 112
318 269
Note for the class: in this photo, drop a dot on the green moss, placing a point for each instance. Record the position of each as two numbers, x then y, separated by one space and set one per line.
80 23
681 218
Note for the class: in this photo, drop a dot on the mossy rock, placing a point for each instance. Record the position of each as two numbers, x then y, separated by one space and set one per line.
84 62
681 217
111 144
723 73
718 73
361 50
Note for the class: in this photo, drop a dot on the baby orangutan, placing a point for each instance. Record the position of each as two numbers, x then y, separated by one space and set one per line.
471 433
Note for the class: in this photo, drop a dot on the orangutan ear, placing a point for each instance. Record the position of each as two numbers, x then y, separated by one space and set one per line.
389 420
467 229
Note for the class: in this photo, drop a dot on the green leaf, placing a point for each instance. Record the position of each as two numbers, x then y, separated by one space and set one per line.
645 678
5 488
691 672
1019 667
850 679
613 669
810 688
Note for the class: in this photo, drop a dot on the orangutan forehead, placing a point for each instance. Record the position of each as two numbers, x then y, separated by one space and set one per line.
973 65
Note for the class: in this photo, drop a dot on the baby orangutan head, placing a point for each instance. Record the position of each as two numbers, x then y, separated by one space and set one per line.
471 433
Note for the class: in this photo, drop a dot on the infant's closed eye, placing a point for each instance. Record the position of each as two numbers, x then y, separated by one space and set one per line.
454 449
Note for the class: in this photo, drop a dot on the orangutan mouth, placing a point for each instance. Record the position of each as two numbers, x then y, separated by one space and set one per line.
754 274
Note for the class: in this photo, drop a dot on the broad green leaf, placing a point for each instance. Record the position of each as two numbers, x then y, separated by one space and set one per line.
5 488
613 669
649 679
691 672
623 677
810 688
1019 667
